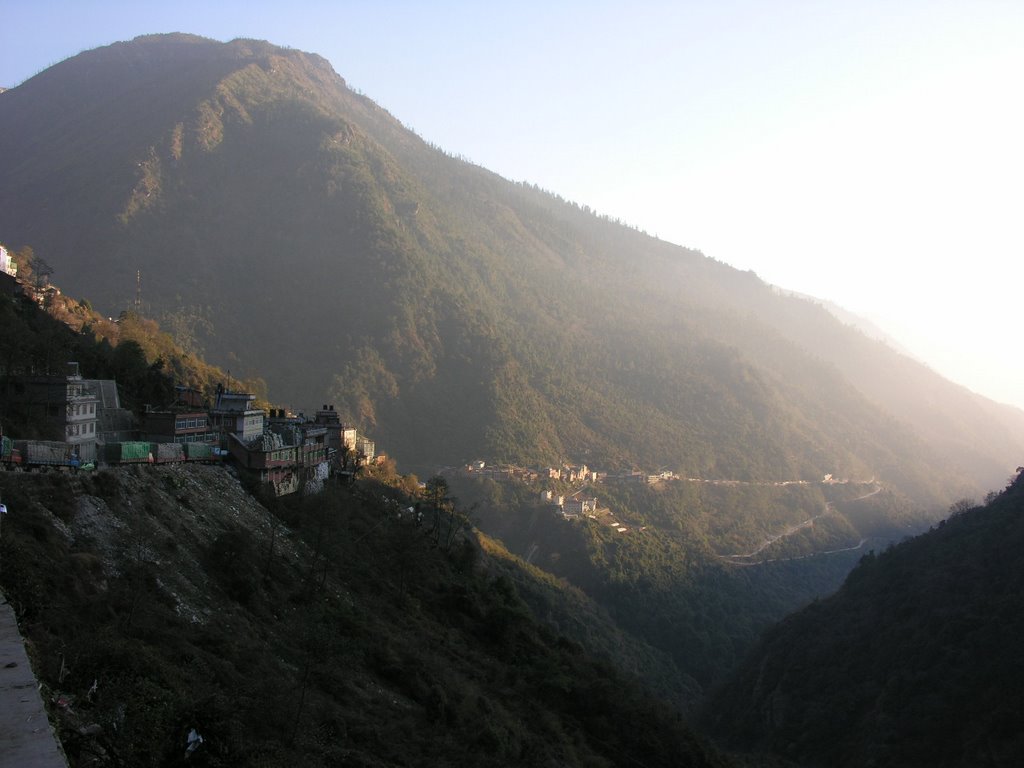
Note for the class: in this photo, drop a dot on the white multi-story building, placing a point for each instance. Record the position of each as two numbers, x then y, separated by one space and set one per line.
7 264
66 404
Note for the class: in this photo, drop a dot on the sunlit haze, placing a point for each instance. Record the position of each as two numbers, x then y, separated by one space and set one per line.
867 153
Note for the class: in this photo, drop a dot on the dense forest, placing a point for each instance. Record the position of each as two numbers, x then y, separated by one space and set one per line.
662 603
914 662
340 628
679 575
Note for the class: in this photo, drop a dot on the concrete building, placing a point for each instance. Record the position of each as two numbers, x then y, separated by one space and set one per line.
7 265
366 449
178 427
65 404
574 507
270 459
235 413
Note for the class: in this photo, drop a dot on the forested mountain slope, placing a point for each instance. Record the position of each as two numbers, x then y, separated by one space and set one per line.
915 661
316 631
450 312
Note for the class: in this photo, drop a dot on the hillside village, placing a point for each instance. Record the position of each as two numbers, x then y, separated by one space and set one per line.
86 425
571 504
80 423
577 502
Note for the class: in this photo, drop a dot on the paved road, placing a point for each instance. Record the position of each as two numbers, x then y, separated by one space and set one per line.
26 738
829 509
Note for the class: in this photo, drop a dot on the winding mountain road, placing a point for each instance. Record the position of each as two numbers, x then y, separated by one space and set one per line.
789 531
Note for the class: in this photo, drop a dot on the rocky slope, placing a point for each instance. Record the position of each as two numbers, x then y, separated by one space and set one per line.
162 601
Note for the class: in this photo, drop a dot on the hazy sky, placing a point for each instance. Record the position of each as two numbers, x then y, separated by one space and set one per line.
870 153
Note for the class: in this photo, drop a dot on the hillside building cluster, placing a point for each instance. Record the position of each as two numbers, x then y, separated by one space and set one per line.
567 473
572 505
284 451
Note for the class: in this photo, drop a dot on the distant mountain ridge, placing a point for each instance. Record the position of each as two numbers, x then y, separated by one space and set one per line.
863 324
452 313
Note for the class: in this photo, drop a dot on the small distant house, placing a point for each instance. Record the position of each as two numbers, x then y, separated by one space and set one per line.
575 506
580 474
366 449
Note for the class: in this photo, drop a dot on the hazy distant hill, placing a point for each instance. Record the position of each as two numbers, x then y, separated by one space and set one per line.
915 661
450 312
861 323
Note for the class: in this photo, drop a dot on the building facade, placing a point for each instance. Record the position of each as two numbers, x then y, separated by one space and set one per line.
235 413
66 405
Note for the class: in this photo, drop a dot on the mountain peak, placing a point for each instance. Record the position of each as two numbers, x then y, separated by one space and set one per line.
328 248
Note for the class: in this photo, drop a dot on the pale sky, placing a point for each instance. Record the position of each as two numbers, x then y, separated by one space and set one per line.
870 153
